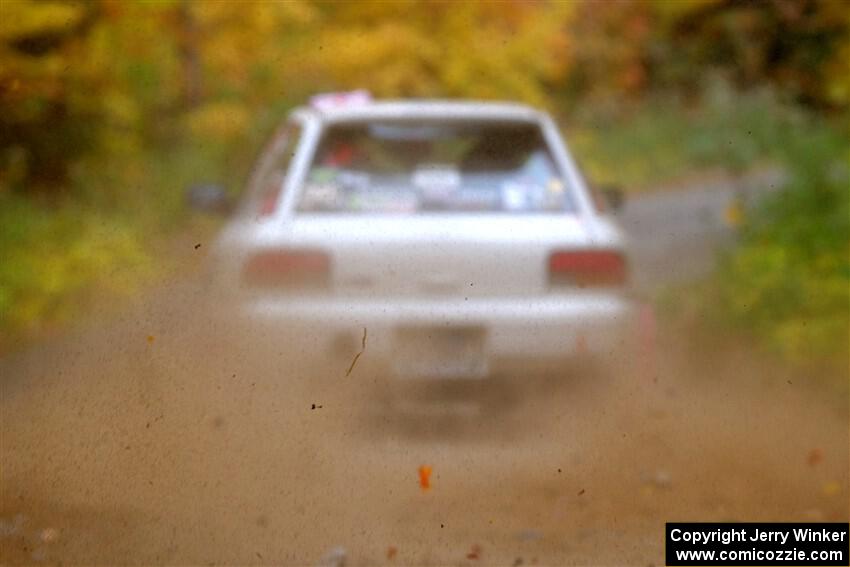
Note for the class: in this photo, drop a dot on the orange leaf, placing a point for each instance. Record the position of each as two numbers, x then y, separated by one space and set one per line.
425 477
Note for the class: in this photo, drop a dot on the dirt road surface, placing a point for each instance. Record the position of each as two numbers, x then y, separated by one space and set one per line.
152 440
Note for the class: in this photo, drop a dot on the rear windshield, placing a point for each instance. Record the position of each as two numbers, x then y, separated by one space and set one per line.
407 168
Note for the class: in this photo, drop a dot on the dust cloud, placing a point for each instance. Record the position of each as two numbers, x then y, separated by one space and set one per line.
166 437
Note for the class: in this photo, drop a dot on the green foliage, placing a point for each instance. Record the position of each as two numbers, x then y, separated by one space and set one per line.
788 282
55 259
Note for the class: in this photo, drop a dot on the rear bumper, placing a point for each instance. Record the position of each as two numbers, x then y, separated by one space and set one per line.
548 326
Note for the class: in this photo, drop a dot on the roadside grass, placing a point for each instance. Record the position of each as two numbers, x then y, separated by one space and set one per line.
56 260
694 325
64 256
118 226
785 286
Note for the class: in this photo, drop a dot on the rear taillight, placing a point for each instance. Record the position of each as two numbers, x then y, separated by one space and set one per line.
302 269
587 268
268 204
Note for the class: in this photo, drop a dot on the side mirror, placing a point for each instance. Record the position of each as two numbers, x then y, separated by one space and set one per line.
208 198
614 197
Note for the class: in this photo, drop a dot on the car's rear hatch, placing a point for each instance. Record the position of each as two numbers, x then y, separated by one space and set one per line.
437 255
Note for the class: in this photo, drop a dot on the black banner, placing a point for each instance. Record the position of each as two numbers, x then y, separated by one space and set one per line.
757 544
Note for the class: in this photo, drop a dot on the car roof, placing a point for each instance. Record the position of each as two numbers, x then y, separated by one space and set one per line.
424 109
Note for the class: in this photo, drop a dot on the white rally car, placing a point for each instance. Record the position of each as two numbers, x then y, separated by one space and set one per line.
443 238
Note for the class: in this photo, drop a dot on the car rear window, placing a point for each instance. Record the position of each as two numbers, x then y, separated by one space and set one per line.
420 167
268 182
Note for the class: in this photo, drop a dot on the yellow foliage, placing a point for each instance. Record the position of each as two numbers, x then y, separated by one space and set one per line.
837 88
66 258
480 50
220 121
23 77
391 59
19 18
